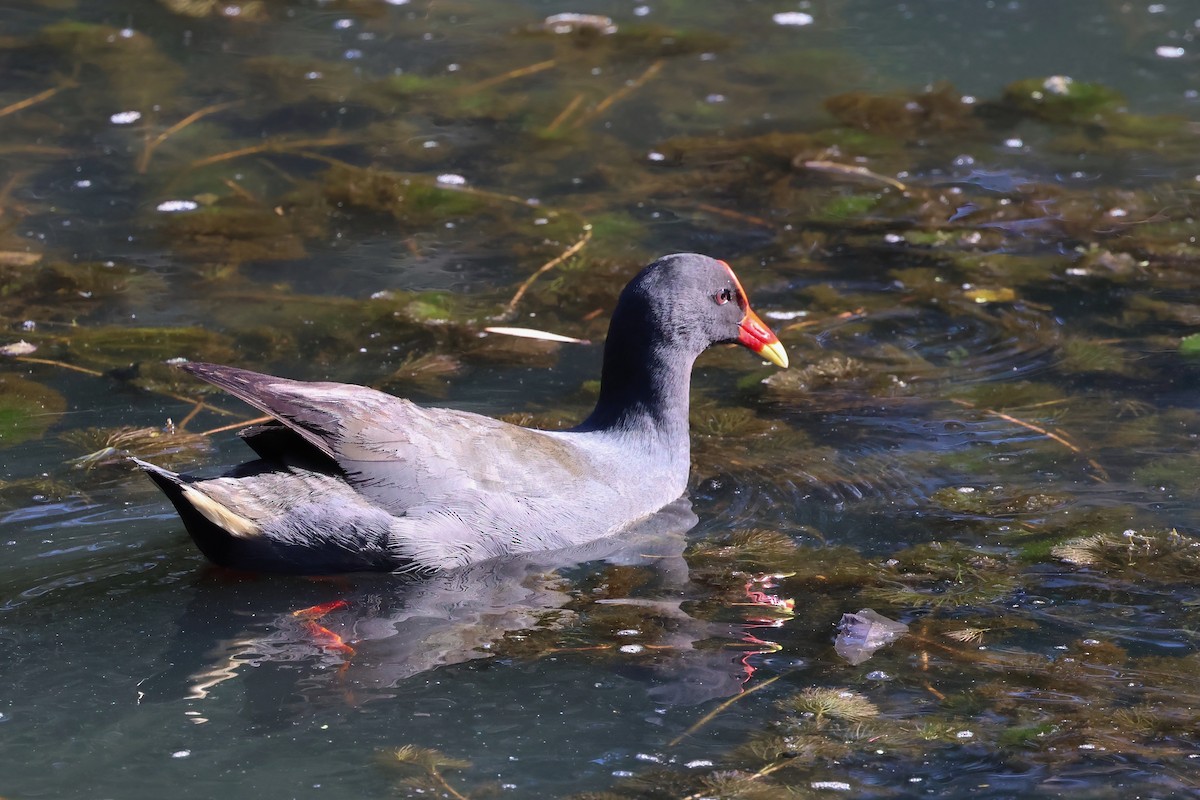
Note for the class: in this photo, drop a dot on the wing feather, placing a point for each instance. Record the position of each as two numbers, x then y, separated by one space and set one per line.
399 454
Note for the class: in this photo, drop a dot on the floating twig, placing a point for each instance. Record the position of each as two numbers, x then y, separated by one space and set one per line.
196 409
151 145
620 94
1058 437
511 308
52 363
97 374
431 762
6 192
35 150
490 195
278 170
440 780
185 399
10 184
710 716
725 212
241 191
1048 403
566 112
233 426
853 172
840 319
40 97
270 146
512 74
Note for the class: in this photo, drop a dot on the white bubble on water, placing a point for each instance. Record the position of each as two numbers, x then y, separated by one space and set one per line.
793 18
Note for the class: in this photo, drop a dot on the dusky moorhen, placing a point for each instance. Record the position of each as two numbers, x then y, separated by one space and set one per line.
350 478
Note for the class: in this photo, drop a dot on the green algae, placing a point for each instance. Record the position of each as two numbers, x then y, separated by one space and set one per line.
233 234
19 493
137 73
995 501
1084 356
63 292
412 200
938 110
628 42
27 410
852 205
113 347
1061 100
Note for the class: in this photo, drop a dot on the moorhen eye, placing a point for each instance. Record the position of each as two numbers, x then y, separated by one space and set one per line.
724 296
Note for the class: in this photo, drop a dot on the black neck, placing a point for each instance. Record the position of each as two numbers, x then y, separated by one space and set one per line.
645 384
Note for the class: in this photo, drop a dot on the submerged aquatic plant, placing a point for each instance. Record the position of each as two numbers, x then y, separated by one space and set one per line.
944 576
18 493
838 704
1162 556
27 409
967 635
428 764
166 445
996 501
428 372
766 548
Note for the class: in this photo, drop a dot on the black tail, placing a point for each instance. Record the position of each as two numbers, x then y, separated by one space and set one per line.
214 542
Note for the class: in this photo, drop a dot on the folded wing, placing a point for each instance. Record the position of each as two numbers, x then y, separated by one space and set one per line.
398 454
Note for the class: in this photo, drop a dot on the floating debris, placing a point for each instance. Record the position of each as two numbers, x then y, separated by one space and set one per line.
19 258
862 633
20 348
985 296
852 171
570 23
793 18
175 206
533 333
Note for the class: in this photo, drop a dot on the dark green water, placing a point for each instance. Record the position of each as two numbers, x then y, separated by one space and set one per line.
973 225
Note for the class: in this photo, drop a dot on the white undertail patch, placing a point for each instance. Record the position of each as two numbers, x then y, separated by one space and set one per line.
221 516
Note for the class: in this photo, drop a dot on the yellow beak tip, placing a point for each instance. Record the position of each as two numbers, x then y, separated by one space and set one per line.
775 353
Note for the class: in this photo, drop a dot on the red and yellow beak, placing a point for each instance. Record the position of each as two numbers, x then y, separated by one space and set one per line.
754 333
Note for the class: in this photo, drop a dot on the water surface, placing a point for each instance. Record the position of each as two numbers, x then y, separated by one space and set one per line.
973 224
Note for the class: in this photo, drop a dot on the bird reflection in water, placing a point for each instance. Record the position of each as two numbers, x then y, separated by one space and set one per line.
380 632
